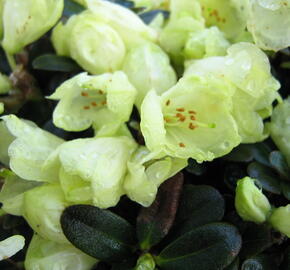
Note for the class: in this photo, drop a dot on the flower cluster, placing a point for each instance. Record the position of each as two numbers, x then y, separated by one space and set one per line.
199 79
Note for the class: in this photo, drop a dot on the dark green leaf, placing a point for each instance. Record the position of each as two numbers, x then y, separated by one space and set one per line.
266 177
279 163
99 233
54 62
71 8
242 153
148 16
234 265
261 152
261 262
256 238
154 222
199 205
124 3
286 189
210 247
195 168
126 265
233 173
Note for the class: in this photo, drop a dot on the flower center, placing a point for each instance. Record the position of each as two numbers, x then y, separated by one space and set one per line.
95 98
184 118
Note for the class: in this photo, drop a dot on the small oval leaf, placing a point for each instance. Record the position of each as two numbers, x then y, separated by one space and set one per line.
99 233
279 163
242 153
261 152
199 205
54 62
286 189
266 177
261 262
149 16
71 8
210 247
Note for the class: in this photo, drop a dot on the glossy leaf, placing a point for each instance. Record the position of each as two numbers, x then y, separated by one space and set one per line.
234 265
261 152
154 222
279 163
286 261
99 233
199 205
71 8
195 168
242 153
266 177
210 247
286 190
53 62
256 238
149 16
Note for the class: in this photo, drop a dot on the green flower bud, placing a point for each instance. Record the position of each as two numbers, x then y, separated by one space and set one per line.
11 246
192 119
146 262
43 207
280 219
104 101
5 84
25 21
43 254
250 202
280 127
146 172
148 67
78 39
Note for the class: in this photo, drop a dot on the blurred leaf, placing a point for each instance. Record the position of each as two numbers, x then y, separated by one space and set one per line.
154 222
72 8
126 265
262 262
261 152
266 177
195 168
149 16
279 163
234 265
199 205
233 173
242 153
286 189
124 3
54 62
99 233
210 247
256 238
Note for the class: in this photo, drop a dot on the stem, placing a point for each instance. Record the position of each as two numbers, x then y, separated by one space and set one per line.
11 61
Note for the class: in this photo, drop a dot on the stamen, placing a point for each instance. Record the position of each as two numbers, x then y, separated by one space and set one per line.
180 109
167 102
100 92
94 104
192 112
192 117
181 144
86 107
178 115
192 126
182 118
85 94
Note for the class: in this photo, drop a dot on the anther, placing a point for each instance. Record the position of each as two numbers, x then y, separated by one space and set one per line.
191 126
181 144
100 92
85 94
191 112
192 117
180 109
182 118
86 107
167 102
94 104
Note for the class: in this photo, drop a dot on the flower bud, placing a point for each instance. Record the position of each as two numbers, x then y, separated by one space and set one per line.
251 204
280 219
25 21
